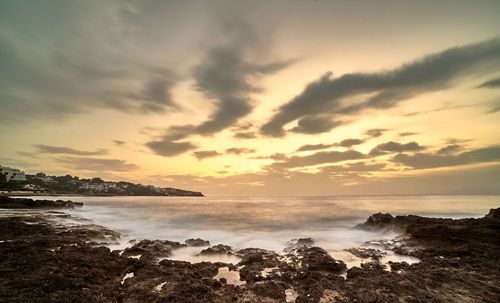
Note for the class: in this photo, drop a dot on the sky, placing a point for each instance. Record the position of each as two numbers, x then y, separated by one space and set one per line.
255 97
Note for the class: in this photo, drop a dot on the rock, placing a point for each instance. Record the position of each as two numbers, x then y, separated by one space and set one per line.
354 272
217 249
197 242
153 249
45 262
270 289
318 259
366 253
299 243
377 221
8 202
494 214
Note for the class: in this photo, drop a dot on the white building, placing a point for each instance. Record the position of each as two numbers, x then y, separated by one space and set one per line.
12 174
99 186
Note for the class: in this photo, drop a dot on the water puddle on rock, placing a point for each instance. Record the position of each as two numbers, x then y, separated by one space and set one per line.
291 295
158 288
192 255
128 275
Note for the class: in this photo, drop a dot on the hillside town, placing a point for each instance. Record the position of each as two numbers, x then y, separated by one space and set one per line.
16 181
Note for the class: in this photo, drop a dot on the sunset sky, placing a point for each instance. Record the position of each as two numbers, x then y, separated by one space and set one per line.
255 97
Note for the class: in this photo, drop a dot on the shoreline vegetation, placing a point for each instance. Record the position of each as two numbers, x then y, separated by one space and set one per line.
43 184
42 259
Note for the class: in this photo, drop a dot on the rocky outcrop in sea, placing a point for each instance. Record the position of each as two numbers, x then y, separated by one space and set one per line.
42 260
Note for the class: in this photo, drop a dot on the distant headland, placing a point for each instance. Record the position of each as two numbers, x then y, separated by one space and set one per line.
16 182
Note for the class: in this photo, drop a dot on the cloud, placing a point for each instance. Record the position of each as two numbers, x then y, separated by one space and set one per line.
354 167
309 147
318 158
205 154
493 83
119 142
434 72
344 143
227 76
238 151
395 147
245 135
495 109
168 148
315 124
407 134
449 149
375 132
98 68
156 94
49 149
351 142
96 164
431 160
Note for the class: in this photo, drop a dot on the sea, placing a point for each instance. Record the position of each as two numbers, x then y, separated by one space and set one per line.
263 222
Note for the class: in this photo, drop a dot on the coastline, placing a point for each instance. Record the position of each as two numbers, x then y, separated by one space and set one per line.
38 194
42 259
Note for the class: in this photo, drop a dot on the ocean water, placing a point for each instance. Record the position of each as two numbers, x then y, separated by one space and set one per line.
265 222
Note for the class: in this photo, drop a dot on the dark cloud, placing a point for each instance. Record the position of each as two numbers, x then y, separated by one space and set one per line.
457 141
433 160
315 124
318 158
493 83
430 73
49 149
156 94
309 147
351 142
275 156
375 132
97 165
245 135
91 72
354 167
407 134
168 148
344 143
395 147
205 154
238 151
119 142
450 149
227 76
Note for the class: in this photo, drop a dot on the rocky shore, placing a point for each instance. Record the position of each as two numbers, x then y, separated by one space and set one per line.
8 202
44 260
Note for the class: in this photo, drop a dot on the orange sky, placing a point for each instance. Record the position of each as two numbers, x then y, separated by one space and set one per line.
221 97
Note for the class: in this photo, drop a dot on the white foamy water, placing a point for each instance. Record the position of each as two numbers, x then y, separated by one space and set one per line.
264 222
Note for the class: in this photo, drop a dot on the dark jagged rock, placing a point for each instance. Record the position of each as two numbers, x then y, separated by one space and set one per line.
366 253
494 214
8 202
45 262
153 249
318 259
299 243
197 242
377 221
217 250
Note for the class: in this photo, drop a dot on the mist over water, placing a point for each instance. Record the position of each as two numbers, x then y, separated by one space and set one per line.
265 222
